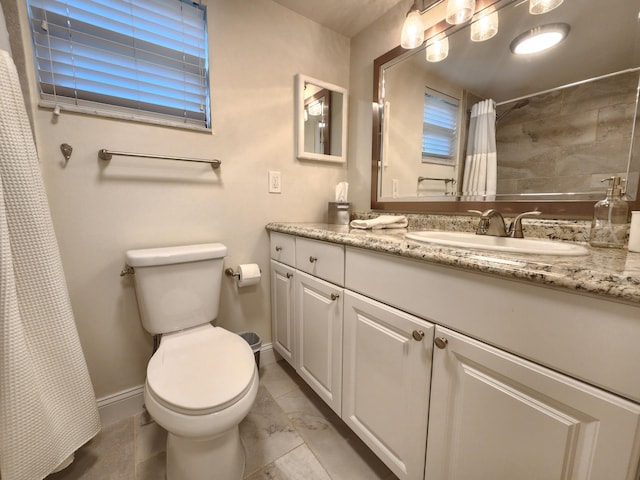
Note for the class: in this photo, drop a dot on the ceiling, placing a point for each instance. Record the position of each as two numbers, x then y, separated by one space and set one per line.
347 17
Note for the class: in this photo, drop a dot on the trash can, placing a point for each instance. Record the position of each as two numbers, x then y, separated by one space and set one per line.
254 340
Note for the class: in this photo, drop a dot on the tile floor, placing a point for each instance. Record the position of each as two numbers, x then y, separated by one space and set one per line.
290 434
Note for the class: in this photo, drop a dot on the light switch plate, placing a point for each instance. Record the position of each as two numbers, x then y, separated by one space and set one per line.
275 185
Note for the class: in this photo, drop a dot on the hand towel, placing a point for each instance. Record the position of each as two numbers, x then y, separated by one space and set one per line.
383 221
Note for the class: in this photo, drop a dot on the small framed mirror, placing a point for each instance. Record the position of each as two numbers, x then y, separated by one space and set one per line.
321 120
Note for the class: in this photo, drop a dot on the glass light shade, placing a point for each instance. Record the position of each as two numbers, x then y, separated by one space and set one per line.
412 30
460 11
536 7
437 49
485 26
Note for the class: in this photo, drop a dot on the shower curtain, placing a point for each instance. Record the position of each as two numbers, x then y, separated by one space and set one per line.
481 168
47 405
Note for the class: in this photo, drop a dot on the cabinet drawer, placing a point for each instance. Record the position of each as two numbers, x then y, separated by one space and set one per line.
283 248
321 259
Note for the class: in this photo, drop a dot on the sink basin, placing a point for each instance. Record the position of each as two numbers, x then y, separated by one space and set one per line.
499 244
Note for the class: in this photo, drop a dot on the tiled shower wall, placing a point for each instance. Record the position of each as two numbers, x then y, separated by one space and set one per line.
567 140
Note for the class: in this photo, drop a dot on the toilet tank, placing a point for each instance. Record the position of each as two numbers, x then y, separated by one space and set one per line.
177 287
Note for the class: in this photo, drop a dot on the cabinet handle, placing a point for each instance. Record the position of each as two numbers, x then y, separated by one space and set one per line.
335 296
441 342
418 335
278 248
289 275
313 259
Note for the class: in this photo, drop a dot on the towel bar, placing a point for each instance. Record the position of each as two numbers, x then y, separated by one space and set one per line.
106 155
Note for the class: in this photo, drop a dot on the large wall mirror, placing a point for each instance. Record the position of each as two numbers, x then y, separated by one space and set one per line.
321 120
559 121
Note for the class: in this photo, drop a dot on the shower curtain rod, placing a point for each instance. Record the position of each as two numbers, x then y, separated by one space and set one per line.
105 154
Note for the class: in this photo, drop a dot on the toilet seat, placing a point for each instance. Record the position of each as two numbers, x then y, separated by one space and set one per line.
201 370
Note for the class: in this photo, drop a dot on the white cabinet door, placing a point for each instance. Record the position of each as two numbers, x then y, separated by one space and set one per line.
282 310
497 416
386 377
318 310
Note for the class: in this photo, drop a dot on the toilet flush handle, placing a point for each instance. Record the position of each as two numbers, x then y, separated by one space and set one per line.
127 270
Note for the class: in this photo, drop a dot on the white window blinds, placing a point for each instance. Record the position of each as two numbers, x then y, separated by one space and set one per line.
138 59
440 127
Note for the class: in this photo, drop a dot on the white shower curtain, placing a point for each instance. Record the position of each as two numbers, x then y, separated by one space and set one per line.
47 404
481 168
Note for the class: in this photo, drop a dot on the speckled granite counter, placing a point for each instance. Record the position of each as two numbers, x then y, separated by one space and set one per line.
611 273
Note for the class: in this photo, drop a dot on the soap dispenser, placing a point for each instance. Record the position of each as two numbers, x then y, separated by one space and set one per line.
610 218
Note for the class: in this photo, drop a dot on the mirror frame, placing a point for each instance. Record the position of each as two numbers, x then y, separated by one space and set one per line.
299 97
572 209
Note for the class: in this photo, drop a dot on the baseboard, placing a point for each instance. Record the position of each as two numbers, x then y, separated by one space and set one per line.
130 402
121 405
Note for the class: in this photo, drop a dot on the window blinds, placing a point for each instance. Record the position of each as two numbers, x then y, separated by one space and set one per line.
440 126
139 59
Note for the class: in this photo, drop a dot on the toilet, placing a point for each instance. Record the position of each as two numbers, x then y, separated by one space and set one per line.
202 380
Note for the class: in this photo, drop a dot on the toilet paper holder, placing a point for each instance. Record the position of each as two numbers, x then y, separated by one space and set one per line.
230 272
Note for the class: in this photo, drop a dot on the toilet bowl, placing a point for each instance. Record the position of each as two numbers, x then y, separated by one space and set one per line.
202 380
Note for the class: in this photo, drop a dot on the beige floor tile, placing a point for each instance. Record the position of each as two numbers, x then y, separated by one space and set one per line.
109 455
279 378
153 468
150 438
267 433
339 450
299 464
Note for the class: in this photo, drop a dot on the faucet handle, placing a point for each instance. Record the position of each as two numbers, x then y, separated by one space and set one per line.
477 212
515 229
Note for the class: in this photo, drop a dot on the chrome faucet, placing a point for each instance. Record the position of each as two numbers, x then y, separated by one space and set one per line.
492 223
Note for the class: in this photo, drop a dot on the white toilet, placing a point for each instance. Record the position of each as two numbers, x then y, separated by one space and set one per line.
202 380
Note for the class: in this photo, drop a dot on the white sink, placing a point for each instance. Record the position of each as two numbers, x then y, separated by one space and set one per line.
500 244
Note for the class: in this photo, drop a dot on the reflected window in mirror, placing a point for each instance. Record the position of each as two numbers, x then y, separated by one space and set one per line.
321 118
440 128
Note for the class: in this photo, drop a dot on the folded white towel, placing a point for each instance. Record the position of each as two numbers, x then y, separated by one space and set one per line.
383 221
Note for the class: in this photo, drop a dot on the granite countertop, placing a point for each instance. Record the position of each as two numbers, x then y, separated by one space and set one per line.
609 273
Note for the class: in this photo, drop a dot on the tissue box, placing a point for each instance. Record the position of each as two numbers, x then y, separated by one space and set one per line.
339 213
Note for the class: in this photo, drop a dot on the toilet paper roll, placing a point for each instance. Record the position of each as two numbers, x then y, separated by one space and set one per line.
249 274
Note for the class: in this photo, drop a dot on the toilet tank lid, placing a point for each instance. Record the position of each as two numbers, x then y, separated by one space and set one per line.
147 257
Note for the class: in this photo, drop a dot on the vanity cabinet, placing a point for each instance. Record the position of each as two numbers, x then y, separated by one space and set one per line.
318 320
282 308
451 374
494 415
386 378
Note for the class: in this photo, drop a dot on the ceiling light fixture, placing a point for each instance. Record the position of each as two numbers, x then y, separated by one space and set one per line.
412 29
539 38
459 11
437 49
537 7
485 25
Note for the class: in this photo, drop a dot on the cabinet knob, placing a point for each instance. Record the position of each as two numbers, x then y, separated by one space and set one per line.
278 248
313 259
441 342
335 296
418 335
289 275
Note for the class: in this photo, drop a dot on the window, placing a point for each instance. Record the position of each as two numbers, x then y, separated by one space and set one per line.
142 60
439 128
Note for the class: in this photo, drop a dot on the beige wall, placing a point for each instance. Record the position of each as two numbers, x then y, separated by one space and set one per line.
100 211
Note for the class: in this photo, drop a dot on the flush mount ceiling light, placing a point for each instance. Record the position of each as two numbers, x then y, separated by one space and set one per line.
485 25
539 38
459 11
537 7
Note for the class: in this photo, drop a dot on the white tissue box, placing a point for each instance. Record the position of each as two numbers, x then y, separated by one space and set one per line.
339 213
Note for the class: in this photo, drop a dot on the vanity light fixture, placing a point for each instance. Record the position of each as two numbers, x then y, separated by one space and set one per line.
437 48
537 7
539 38
459 11
412 29
485 25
